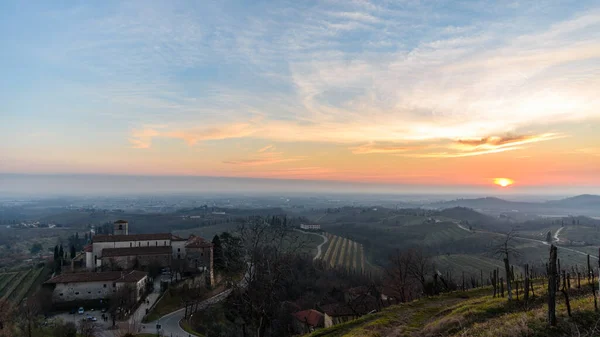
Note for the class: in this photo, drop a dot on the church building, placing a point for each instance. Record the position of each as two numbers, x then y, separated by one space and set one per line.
125 251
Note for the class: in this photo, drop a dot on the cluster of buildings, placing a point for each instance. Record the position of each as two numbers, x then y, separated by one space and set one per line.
357 302
114 260
310 227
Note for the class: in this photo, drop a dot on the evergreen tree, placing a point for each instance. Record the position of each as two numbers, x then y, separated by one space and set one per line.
218 258
56 253
61 253
73 252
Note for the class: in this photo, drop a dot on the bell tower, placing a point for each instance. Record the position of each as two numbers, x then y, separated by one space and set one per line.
121 227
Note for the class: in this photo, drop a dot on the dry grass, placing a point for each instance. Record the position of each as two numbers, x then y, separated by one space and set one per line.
477 314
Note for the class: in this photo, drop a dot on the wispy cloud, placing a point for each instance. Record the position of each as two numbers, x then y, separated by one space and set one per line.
265 156
455 148
266 148
385 148
143 138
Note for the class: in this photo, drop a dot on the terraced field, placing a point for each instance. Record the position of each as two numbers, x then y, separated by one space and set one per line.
14 286
344 253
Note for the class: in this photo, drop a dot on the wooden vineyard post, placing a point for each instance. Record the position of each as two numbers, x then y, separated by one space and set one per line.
493 279
481 270
501 287
526 286
566 293
589 273
552 287
558 274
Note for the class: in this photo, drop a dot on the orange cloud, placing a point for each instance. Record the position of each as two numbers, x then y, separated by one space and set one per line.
263 158
493 142
142 139
382 147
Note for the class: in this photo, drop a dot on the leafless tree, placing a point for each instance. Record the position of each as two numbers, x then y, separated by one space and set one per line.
28 313
270 248
87 328
505 250
399 274
7 318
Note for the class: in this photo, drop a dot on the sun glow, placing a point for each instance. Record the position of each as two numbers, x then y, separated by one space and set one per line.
504 182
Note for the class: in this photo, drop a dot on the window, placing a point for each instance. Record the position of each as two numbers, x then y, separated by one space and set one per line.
61 294
77 293
120 227
139 244
165 243
178 249
114 284
148 243
104 285
179 256
130 244
201 254
89 292
156 243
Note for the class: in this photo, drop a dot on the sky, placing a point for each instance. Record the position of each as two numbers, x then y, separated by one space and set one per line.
423 93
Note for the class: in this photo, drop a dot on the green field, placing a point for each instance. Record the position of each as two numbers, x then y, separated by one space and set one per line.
15 286
344 253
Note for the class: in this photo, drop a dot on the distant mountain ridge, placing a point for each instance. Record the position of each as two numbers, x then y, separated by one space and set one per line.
584 202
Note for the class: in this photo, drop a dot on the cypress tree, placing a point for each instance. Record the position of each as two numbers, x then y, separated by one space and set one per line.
218 257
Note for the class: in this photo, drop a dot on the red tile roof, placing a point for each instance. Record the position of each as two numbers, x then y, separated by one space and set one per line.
135 251
132 237
198 242
106 276
88 248
362 305
310 317
120 221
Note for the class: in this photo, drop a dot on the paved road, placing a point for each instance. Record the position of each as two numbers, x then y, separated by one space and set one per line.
170 322
557 233
319 252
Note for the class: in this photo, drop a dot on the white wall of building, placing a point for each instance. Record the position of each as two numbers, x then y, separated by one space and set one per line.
179 249
66 292
97 247
81 291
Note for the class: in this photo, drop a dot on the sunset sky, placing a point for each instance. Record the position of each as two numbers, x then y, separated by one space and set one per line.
404 92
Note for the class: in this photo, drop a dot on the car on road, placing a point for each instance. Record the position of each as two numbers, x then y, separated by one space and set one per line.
92 318
80 311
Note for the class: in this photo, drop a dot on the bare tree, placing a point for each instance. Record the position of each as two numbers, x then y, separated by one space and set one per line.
28 314
506 249
399 274
6 318
270 248
87 328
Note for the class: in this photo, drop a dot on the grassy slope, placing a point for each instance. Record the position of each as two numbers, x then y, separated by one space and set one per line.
472 313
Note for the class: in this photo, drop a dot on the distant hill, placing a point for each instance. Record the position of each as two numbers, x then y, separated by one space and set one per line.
467 214
482 203
580 201
586 204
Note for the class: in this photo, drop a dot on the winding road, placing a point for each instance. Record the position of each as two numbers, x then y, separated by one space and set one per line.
319 250
555 238
170 322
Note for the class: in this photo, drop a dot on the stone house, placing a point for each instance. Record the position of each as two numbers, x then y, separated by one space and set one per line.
86 286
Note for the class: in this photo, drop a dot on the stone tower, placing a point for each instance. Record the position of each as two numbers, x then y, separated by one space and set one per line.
121 227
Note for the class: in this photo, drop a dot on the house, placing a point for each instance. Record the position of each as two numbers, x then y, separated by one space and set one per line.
86 286
310 227
307 321
336 313
124 251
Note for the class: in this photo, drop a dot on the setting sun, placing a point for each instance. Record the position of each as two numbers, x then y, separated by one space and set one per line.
504 182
